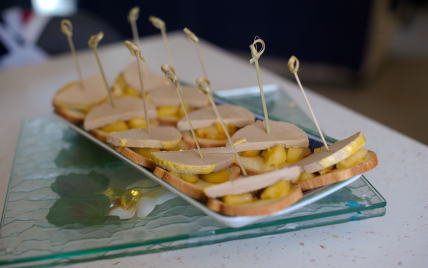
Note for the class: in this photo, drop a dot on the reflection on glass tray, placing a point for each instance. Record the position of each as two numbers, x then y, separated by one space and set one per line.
48 147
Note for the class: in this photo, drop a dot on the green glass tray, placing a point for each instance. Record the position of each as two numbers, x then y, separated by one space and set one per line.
48 148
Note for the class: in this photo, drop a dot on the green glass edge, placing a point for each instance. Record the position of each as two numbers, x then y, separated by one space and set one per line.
206 234
374 190
11 173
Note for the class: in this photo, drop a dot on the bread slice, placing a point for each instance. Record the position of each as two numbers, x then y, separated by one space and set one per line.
134 157
141 160
254 165
203 143
194 190
102 135
340 174
74 116
259 207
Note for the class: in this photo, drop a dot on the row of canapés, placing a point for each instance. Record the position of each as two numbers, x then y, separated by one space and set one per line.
144 120
279 164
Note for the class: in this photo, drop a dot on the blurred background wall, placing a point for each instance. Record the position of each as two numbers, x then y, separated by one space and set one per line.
369 55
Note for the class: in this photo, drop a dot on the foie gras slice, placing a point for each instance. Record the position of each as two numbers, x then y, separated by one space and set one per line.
281 133
256 137
167 96
190 162
159 137
338 151
126 108
151 79
206 117
77 98
252 183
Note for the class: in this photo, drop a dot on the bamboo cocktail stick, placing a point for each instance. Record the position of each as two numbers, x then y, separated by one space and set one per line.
293 65
160 24
93 43
132 18
256 55
136 52
170 76
67 29
204 86
195 40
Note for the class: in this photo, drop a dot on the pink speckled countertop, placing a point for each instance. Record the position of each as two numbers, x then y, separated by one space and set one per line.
400 238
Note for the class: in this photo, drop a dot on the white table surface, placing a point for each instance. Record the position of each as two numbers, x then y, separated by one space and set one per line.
400 238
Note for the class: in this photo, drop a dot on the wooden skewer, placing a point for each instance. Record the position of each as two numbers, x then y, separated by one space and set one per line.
293 65
132 18
204 86
195 40
67 29
256 55
160 24
136 52
170 76
93 43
